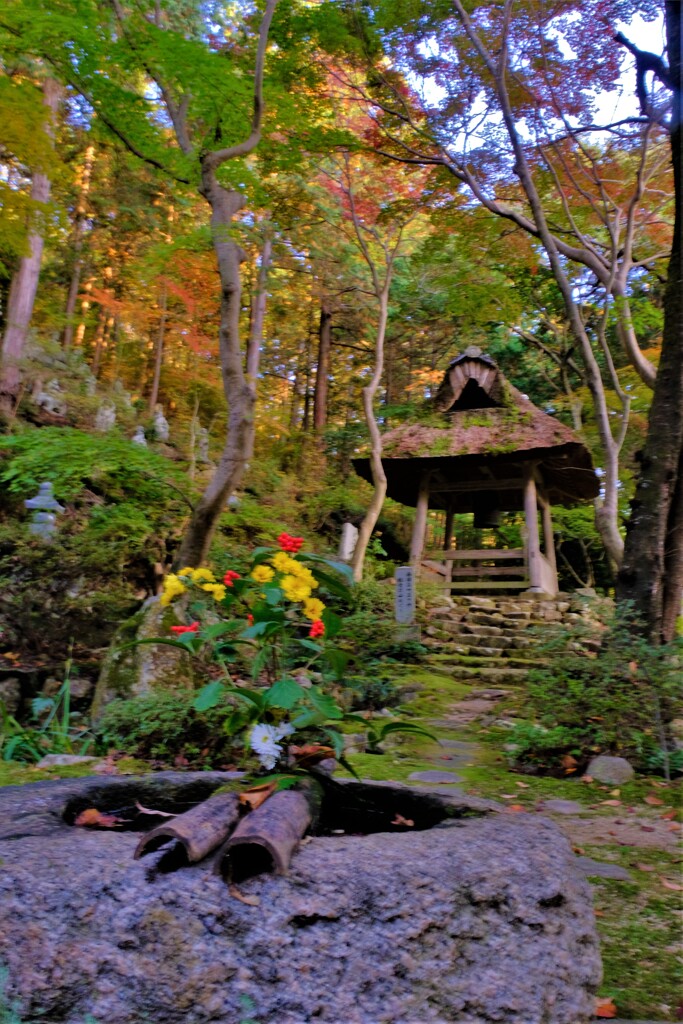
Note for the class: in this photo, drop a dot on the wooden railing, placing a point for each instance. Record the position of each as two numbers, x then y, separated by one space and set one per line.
483 569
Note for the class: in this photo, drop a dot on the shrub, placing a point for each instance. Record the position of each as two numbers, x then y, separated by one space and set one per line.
165 725
619 701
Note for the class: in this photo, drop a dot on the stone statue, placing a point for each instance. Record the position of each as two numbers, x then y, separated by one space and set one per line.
139 437
106 416
123 394
161 428
50 399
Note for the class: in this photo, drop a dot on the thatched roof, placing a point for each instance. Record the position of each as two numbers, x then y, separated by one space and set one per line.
481 435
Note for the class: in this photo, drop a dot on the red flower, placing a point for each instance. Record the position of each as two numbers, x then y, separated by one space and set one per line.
250 619
290 544
185 629
230 576
317 629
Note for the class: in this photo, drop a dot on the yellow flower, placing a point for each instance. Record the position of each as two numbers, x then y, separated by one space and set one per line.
187 571
203 574
172 588
295 589
306 576
313 608
283 563
262 574
217 589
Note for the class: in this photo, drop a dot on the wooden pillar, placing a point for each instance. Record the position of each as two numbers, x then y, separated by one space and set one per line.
533 539
447 544
420 528
548 541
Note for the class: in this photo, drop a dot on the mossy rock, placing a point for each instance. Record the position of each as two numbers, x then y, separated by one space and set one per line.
138 671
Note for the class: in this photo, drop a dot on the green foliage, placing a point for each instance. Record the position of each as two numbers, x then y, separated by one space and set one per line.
107 464
166 725
53 730
372 692
619 701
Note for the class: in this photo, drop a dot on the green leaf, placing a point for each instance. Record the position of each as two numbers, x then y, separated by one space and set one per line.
341 567
337 741
273 594
248 695
259 663
308 718
409 727
349 767
154 640
310 645
285 693
252 632
337 660
209 696
219 628
325 704
332 623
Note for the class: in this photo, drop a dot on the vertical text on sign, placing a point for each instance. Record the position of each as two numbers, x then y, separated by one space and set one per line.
405 595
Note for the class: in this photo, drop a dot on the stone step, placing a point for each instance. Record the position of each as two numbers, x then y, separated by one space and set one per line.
492 675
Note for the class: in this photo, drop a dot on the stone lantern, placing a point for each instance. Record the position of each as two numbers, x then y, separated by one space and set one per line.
45 508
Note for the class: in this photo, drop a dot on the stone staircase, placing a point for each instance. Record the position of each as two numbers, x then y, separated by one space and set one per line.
496 640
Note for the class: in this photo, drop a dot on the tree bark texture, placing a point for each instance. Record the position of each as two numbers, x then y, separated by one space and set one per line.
78 236
158 350
322 373
651 575
379 478
25 280
240 392
258 313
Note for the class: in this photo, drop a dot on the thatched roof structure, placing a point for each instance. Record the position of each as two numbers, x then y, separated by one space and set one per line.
476 442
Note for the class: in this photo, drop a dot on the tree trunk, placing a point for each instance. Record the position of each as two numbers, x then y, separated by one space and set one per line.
379 478
25 280
77 243
258 313
159 352
651 576
240 392
322 373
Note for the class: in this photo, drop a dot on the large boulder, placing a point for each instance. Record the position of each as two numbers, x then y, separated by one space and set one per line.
479 919
134 669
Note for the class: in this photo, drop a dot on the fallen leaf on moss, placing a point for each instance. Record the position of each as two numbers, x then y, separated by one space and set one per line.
653 801
400 820
668 884
611 803
605 1008
645 867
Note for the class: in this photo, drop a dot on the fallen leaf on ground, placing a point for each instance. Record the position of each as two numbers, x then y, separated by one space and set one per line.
508 796
92 818
522 785
653 801
253 798
516 807
151 810
605 1008
586 778
646 828
310 754
611 803
615 792
251 901
669 815
668 884
645 867
400 820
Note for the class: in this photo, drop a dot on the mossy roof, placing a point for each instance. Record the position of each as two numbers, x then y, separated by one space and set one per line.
490 432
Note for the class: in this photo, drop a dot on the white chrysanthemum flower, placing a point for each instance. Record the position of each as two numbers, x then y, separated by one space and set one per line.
284 729
263 741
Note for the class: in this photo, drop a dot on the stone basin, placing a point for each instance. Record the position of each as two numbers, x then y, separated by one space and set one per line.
480 916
